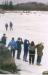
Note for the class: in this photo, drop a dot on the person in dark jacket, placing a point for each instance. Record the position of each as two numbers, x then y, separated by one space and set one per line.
31 52
19 42
12 45
3 39
26 45
11 26
6 26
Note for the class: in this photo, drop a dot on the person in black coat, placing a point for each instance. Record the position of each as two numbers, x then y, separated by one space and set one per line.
31 52
3 39
6 26
11 26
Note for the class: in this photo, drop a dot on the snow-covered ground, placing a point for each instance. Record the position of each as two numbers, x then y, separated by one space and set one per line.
27 69
33 26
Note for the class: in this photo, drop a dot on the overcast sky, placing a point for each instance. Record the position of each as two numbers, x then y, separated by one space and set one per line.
22 1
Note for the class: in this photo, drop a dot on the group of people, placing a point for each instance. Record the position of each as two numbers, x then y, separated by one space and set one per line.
28 47
10 25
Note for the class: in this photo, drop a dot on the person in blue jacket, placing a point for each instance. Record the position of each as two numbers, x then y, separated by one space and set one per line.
26 45
12 45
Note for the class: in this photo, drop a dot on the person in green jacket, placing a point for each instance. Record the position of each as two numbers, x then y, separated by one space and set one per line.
40 48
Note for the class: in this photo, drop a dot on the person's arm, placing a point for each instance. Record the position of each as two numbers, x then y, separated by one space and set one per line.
36 45
9 44
21 41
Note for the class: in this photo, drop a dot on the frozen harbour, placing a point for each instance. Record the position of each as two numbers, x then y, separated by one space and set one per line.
33 26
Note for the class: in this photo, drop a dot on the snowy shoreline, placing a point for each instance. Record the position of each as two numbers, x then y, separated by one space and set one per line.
21 11
16 11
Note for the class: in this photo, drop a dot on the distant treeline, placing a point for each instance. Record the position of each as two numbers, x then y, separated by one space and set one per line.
25 6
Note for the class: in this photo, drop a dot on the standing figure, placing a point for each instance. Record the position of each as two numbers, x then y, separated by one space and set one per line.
6 26
40 48
3 39
19 42
31 52
12 45
26 45
11 26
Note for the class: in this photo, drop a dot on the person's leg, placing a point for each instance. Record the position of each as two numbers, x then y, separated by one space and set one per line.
29 59
24 56
13 53
19 54
38 59
10 28
33 56
6 28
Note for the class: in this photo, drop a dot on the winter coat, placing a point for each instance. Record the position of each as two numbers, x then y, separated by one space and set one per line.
12 44
3 40
19 43
26 45
39 49
31 50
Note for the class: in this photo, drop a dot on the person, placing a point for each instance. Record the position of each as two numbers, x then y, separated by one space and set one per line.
12 45
40 48
31 52
6 26
26 45
3 39
11 26
19 42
